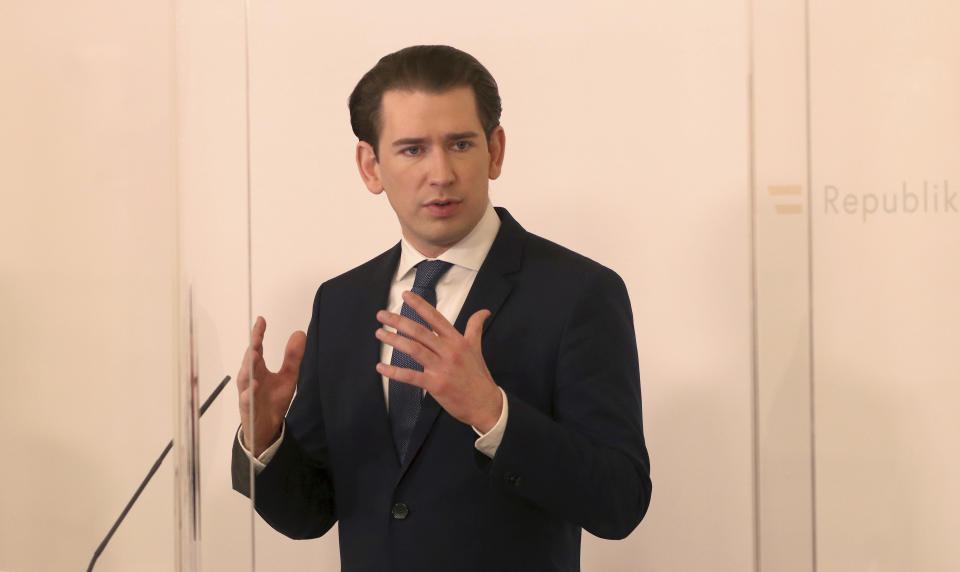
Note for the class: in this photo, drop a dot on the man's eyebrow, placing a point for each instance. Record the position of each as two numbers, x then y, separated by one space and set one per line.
409 141
421 140
463 135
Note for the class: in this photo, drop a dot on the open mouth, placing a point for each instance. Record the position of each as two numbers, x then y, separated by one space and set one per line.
443 207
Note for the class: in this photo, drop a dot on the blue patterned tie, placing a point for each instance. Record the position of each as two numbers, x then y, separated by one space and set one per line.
405 398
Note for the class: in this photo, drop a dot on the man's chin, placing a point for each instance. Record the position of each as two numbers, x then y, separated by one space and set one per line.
432 245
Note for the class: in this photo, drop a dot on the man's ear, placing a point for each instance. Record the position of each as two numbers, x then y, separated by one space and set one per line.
369 167
496 145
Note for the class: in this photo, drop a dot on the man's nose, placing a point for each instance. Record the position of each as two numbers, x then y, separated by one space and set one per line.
441 169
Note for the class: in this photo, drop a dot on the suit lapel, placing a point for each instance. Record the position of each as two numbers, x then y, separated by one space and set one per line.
375 288
489 291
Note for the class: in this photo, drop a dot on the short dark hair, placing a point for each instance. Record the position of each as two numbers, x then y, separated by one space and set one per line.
433 69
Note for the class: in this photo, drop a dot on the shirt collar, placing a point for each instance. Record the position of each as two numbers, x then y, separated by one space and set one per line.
468 253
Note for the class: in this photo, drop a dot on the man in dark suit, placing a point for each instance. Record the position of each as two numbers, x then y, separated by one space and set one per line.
504 414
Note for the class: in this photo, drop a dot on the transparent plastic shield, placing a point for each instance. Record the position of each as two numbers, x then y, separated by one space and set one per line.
186 445
216 531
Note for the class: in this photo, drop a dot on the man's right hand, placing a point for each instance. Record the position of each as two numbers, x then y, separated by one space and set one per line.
270 392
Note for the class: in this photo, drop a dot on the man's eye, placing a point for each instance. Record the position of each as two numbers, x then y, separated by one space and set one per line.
461 145
412 151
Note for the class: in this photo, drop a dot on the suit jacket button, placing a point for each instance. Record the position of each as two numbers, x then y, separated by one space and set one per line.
513 479
400 511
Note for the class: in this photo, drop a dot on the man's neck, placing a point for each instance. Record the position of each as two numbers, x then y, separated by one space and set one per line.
469 252
429 251
434 250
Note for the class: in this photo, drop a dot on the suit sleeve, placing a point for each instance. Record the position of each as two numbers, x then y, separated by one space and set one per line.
294 492
586 461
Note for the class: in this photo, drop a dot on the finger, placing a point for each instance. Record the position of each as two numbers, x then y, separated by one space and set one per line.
474 330
473 333
411 376
252 362
410 329
256 334
412 348
243 377
293 355
430 315
258 366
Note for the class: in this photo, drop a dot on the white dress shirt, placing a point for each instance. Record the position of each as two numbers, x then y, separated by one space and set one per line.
466 257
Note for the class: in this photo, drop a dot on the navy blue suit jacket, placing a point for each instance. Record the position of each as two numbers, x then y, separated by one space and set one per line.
560 342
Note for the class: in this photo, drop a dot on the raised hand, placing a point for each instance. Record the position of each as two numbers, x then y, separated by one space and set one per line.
454 371
270 392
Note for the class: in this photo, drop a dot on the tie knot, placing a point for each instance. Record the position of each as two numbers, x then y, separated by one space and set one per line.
429 273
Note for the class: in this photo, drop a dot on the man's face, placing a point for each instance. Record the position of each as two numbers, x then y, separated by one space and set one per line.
435 165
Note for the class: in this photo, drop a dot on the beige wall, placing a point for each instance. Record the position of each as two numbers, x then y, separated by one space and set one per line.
658 138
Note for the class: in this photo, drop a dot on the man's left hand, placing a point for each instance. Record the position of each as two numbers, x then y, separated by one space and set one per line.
453 368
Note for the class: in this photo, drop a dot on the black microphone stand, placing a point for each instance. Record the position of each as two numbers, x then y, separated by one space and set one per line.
153 469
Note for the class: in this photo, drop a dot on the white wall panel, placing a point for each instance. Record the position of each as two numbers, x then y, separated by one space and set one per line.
885 111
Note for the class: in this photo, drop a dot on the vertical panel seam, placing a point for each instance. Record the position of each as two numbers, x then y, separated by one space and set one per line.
810 334
754 349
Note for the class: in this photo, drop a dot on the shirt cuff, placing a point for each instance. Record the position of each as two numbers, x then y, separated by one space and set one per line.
489 442
260 463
